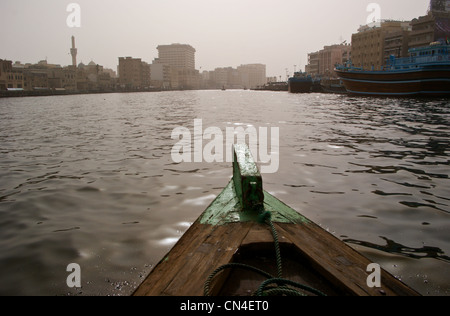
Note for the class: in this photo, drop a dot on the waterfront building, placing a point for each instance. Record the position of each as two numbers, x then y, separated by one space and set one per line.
134 74
160 76
93 77
225 77
5 68
112 73
130 72
312 67
368 45
57 77
10 78
188 79
396 44
177 56
181 60
35 79
252 75
69 78
40 76
333 55
430 28
146 75
220 77
323 62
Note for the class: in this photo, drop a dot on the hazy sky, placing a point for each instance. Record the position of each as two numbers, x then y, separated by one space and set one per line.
278 33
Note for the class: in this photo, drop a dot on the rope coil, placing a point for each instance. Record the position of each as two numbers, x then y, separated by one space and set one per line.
283 286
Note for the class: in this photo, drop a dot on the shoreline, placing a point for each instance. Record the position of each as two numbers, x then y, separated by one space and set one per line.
48 93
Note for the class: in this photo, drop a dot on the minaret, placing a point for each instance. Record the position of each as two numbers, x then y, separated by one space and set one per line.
74 52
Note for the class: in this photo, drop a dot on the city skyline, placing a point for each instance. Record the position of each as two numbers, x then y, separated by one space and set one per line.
224 33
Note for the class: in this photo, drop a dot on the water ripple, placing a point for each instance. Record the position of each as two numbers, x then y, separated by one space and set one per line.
89 179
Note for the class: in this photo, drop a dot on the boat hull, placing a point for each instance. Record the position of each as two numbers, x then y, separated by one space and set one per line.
420 82
242 224
300 86
333 86
311 255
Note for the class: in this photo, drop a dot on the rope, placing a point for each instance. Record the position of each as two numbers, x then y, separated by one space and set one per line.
283 286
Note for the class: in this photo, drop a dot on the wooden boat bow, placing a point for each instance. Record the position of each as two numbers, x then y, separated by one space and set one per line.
230 231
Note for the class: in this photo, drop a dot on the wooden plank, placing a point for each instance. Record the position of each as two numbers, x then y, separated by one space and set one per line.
168 267
340 263
217 250
202 249
247 179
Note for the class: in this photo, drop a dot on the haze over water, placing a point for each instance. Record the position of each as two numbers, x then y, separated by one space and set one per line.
89 179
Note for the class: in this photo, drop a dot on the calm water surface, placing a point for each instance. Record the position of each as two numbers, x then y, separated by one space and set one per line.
90 180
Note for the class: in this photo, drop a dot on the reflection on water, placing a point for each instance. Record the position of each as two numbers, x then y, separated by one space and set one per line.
395 248
90 180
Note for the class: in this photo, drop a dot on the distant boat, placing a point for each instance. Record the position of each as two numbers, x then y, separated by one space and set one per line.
333 85
426 72
273 86
300 83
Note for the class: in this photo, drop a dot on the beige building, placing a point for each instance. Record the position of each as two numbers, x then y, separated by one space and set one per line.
226 77
330 56
368 45
62 78
396 44
180 58
177 56
188 79
160 76
5 70
252 75
312 67
430 28
45 76
324 61
146 75
35 79
10 77
134 74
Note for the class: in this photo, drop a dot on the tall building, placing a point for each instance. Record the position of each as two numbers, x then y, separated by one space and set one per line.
253 75
134 74
312 67
5 73
368 45
226 77
324 61
430 28
177 56
181 60
332 55
396 44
